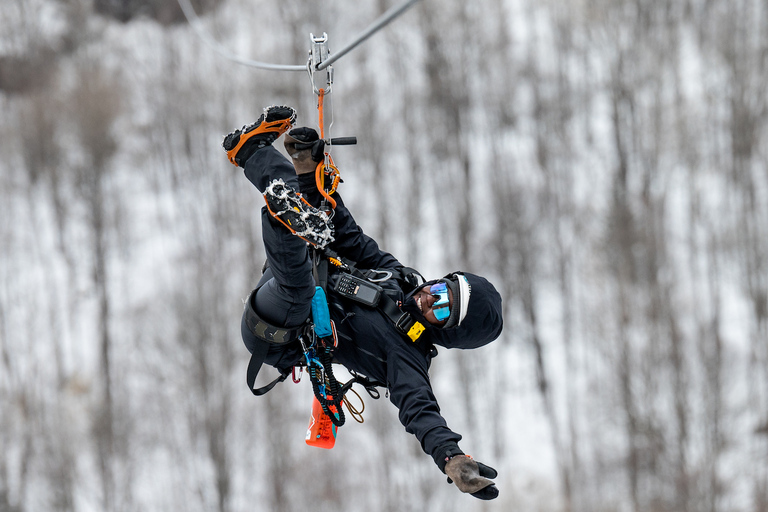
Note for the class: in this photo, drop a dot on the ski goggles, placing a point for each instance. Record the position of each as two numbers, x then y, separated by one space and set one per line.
442 305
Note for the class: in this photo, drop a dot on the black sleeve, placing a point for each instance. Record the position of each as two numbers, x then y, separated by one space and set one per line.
411 392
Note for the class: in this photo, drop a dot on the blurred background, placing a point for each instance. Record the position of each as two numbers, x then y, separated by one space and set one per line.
603 162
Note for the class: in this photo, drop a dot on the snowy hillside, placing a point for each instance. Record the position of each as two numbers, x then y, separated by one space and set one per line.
603 162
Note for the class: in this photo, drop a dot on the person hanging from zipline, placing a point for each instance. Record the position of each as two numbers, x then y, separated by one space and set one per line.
387 319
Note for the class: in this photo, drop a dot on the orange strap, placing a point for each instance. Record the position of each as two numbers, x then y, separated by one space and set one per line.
320 96
333 172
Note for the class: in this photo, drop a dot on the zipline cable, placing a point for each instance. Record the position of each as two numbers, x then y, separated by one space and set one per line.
378 24
196 23
374 27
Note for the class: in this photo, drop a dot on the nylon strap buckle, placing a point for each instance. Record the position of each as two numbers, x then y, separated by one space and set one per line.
410 327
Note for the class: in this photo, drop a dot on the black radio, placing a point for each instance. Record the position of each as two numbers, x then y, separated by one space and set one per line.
357 289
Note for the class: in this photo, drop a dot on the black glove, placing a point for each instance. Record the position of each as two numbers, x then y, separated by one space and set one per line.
304 136
472 477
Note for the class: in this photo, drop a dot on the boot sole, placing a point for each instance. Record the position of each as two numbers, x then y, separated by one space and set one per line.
295 213
274 128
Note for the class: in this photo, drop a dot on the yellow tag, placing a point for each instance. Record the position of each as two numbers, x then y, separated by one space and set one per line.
415 331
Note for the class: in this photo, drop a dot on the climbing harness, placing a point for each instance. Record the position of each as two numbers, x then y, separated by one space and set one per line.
317 338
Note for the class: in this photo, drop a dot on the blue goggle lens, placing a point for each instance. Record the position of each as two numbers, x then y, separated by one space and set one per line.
441 307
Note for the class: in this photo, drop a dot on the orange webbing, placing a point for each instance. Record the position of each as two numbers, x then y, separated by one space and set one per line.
320 96
320 169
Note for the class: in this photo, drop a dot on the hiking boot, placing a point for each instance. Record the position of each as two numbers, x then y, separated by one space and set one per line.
242 143
295 213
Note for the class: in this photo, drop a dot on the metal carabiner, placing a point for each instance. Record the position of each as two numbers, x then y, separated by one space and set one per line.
318 54
386 275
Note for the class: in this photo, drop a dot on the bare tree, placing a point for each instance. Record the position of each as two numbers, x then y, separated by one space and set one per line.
96 106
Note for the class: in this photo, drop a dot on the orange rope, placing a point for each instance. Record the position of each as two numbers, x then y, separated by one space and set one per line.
320 96
320 169
320 180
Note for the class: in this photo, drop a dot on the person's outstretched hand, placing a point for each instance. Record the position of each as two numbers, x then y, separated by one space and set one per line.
472 477
304 160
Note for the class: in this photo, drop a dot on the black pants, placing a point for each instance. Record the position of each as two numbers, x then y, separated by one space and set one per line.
284 294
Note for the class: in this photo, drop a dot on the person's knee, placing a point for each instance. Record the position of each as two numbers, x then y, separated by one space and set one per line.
286 306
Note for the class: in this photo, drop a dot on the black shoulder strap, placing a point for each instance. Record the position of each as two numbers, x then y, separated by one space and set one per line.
409 278
320 269
404 322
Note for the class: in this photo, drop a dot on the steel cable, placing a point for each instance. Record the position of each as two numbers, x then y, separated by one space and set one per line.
378 24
